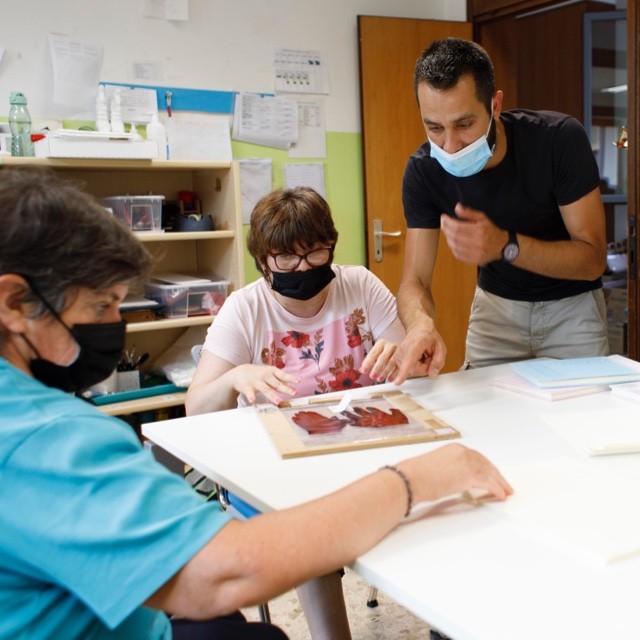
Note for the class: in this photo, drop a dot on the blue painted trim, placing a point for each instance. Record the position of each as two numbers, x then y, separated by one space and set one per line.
189 99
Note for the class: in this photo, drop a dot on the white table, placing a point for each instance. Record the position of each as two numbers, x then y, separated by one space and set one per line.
474 575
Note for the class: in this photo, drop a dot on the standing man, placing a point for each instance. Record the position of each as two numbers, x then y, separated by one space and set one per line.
516 194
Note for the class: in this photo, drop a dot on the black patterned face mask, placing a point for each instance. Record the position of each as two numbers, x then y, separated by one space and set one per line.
101 346
302 285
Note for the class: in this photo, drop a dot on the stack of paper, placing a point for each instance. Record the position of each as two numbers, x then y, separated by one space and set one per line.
179 279
72 143
628 391
573 372
132 303
599 433
576 506
520 385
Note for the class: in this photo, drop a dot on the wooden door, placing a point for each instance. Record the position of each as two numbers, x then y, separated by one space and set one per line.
633 167
392 130
517 40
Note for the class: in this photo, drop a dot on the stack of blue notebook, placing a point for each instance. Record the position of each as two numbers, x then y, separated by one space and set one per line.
574 372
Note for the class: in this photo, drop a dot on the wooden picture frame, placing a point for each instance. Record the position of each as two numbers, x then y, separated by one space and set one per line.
381 419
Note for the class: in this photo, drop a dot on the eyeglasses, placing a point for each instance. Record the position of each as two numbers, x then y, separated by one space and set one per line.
291 261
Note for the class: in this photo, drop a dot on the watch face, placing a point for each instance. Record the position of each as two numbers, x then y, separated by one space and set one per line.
510 252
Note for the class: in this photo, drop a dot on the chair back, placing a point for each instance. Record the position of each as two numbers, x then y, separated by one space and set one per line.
196 352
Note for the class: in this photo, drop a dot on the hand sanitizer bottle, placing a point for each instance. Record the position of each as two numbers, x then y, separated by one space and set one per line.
102 121
117 126
133 130
157 131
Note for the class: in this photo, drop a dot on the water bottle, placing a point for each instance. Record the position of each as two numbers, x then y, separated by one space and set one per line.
20 125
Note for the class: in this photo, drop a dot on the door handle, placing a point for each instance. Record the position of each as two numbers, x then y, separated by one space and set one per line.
378 233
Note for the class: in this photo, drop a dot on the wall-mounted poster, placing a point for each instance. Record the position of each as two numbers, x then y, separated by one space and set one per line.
317 425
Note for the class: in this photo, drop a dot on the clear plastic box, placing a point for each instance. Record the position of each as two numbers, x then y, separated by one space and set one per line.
188 299
139 213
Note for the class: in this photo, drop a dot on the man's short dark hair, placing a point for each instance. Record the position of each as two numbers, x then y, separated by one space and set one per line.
444 62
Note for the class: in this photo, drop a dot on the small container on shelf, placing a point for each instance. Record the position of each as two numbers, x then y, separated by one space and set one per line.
139 213
617 262
185 296
194 222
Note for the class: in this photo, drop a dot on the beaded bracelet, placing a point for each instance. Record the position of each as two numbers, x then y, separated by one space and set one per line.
407 484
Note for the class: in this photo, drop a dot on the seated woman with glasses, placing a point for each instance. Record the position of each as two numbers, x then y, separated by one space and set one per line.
308 327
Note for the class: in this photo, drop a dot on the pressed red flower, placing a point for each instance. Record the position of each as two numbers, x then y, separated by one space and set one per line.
373 417
296 339
347 379
354 339
315 423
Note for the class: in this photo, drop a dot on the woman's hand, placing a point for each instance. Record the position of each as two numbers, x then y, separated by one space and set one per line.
251 379
379 364
453 468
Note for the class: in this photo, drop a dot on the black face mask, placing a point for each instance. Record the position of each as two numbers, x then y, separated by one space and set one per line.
302 285
101 348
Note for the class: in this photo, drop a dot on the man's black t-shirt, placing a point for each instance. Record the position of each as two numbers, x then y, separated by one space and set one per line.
549 163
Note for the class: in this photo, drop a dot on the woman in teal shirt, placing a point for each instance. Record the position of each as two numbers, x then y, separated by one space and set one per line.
96 539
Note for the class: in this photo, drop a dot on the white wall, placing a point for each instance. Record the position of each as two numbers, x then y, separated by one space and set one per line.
225 45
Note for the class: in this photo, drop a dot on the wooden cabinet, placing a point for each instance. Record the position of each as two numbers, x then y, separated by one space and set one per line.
481 10
547 56
537 51
633 166
217 252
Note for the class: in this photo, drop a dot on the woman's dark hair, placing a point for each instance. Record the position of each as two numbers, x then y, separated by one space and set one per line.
60 238
288 217
444 62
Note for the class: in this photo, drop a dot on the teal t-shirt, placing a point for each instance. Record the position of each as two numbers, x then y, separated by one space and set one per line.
90 524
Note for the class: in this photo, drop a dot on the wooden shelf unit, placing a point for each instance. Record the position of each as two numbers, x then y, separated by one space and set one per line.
144 404
218 252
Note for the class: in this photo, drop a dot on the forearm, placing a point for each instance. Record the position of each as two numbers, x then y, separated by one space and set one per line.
415 304
474 239
325 535
215 395
566 259
252 561
423 351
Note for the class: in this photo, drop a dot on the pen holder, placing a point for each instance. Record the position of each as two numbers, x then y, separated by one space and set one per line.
127 380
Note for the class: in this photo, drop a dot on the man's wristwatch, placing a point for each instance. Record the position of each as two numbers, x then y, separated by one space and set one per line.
511 250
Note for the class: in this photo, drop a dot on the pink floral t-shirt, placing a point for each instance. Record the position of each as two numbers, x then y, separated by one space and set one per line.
325 351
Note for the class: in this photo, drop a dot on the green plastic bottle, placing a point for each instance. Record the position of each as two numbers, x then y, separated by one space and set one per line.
20 125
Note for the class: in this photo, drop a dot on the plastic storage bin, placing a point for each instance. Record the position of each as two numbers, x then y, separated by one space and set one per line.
188 299
139 213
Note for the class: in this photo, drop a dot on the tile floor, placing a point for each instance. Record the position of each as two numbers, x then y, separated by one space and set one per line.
387 621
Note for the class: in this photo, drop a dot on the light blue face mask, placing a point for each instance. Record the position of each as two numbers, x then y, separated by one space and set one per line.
469 160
